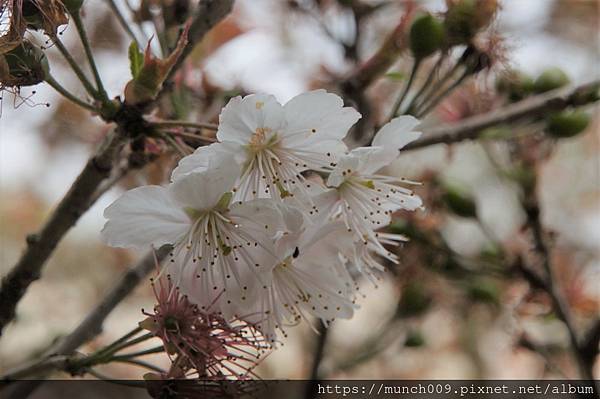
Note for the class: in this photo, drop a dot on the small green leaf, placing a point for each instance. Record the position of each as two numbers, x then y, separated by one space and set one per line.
136 59
397 76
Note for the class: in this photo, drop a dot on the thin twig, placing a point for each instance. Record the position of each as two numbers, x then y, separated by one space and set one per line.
311 387
89 328
472 128
89 54
124 24
75 67
406 90
92 324
194 125
68 95
41 245
559 304
37 368
208 14
77 200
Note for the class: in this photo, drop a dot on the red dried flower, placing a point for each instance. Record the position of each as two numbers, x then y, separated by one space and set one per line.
201 342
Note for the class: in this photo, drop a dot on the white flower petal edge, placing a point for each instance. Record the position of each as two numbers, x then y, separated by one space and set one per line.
308 279
316 117
207 157
275 143
243 117
364 200
143 217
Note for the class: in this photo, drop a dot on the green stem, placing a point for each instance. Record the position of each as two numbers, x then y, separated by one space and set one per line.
68 95
443 95
128 383
140 363
115 9
400 100
89 54
125 356
126 344
437 86
101 352
195 125
410 108
175 144
75 67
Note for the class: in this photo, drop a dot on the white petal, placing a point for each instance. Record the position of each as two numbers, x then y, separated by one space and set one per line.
346 163
242 116
371 159
317 115
142 217
206 157
397 133
203 190
278 224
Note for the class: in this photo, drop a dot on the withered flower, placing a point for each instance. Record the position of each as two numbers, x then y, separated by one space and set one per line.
201 343
16 16
12 25
46 15
24 65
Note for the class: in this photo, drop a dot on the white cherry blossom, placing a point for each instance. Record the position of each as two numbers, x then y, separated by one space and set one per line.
274 143
214 238
308 278
364 199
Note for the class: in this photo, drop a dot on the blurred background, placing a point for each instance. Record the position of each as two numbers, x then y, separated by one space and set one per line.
444 312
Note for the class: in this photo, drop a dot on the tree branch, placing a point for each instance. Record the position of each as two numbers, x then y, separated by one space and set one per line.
584 359
312 383
79 198
41 245
472 128
392 47
208 14
89 328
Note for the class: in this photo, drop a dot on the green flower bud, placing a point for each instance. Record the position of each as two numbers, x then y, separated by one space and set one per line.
414 301
524 175
402 227
550 79
426 36
459 202
483 290
414 339
465 18
491 252
25 65
567 123
516 85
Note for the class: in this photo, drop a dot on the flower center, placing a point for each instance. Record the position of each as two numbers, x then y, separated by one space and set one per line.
261 140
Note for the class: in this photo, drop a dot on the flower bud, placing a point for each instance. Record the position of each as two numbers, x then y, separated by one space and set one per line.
516 85
414 339
550 79
25 65
567 123
459 202
522 174
405 228
464 18
474 60
483 290
414 300
426 36
150 73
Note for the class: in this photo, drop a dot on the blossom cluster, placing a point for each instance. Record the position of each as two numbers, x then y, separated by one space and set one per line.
272 223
